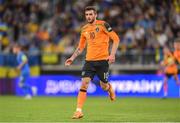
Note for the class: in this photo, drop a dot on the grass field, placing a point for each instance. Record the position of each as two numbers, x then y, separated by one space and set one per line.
96 109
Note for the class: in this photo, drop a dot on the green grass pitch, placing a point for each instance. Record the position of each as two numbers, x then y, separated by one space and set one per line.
96 109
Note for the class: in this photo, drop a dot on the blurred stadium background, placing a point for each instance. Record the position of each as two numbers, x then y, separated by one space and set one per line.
49 31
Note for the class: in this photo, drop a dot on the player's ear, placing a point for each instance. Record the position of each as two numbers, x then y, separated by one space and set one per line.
95 13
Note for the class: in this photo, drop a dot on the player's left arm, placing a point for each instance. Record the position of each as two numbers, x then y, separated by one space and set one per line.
177 58
115 44
24 61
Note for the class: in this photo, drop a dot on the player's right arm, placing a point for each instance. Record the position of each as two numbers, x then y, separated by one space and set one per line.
177 56
78 51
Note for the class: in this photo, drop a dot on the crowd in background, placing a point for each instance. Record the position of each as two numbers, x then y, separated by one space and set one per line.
53 26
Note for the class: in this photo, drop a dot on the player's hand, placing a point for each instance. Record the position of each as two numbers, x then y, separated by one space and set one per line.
68 62
111 59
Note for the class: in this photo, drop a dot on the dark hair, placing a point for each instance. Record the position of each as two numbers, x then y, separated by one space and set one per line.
90 8
17 45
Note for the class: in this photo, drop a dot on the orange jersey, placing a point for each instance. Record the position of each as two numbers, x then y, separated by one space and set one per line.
97 36
177 55
170 64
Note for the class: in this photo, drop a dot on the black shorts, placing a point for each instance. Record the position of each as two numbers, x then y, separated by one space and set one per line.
169 75
99 68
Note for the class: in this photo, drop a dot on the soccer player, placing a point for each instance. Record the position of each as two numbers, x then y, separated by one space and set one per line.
24 68
170 69
95 34
177 49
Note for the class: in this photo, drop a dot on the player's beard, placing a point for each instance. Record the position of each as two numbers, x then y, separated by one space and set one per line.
91 21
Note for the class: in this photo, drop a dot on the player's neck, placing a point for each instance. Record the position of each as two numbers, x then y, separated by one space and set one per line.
94 22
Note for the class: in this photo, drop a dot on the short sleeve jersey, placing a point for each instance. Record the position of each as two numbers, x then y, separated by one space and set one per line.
177 55
171 67
97 36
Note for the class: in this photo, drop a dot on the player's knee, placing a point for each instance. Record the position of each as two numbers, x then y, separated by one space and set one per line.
20 84
104 86
85 83
84 86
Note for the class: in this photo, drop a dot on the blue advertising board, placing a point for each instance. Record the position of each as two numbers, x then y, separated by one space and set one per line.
140 85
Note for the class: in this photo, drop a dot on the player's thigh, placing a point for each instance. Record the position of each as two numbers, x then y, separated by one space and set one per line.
103 84
88 70
103 72
86 79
